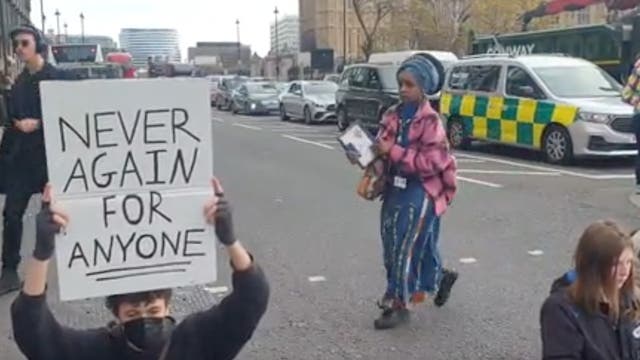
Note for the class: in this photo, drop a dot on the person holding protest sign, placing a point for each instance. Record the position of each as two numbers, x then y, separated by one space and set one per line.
420 184
25 160
143 329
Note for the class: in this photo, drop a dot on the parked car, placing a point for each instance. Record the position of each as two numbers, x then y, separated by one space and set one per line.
214 81
312 101
255 98
365 92
332 77
227 85
566 107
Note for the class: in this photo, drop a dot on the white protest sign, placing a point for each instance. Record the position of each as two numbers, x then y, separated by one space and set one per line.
131 162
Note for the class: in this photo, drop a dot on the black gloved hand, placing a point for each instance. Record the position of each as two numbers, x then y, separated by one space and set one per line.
46 230
224 223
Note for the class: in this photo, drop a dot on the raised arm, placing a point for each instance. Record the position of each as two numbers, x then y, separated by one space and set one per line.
37 332
222 331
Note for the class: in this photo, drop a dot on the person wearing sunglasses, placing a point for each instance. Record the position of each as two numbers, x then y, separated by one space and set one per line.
24 162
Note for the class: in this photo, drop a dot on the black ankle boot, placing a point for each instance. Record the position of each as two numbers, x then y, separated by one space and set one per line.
392 317
9 281
449 277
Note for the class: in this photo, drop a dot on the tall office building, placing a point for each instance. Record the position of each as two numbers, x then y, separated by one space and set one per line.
154 43
322 26
288 35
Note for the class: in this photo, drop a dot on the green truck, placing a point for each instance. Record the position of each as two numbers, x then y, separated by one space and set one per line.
614 47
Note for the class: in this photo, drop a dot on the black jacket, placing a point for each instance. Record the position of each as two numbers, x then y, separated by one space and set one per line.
24 159
570 333
216 334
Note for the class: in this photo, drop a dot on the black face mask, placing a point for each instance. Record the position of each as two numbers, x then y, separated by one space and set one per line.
148 336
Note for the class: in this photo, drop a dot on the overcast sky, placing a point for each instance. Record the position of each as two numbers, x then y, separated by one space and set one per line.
195 20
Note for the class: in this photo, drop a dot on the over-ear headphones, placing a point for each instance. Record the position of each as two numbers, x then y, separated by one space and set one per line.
41 44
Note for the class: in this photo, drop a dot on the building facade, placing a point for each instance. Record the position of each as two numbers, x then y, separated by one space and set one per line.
221 57
288 35
155 43
322 26
594 14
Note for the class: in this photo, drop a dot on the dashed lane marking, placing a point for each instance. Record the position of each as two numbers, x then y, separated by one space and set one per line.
536 252
218 119
216 289
547 169
468 260
305 141
469 161
314 279
507 172
480 182
247 126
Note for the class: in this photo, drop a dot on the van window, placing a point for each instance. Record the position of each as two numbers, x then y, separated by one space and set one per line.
360 78
477 78
520 84
374 80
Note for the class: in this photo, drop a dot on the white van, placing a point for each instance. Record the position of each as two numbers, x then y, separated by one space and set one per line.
397 57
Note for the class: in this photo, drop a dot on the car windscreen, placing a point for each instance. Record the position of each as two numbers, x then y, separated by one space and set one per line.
262 89
232 84
321 88
388 75
580 81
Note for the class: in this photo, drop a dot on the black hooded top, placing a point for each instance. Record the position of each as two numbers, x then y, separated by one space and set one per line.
569 332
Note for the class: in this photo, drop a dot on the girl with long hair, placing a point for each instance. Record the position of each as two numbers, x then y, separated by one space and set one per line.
595 316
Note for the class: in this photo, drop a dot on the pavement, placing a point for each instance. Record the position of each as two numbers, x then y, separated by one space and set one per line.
511 230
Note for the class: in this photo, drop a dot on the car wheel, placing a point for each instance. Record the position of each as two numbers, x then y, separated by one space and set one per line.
283 113
234 108
557 145
456 134
343 121
307 116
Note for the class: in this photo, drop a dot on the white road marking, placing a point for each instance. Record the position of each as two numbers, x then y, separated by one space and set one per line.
305 141
507 172
297 129
480 182
247 126
314 279
544 168
468 260
536 252
470 161
316 135
218 119
216 289
329 142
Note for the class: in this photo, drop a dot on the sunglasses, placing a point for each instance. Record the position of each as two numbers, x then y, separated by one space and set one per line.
21 43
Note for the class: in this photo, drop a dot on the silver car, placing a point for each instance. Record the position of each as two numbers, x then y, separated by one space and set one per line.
312 101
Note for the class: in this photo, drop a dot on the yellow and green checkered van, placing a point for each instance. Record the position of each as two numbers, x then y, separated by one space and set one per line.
560 105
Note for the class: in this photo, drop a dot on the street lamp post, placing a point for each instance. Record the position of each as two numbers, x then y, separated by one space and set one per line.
42 17
275 12
57 14
82 26
344 31
239 44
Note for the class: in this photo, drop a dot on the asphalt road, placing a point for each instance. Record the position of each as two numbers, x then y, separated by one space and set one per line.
510 231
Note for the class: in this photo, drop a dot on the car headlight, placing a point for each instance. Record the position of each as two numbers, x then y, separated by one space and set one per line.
595 117
317 105
253 106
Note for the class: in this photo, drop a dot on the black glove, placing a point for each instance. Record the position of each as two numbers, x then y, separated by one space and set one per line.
224 223
46 230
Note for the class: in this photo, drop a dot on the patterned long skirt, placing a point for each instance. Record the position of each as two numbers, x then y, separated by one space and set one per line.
410 231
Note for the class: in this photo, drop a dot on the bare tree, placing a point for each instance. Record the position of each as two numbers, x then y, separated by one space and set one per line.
449 18
370 14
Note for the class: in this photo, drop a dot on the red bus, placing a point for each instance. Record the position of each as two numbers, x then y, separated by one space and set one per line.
124 59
